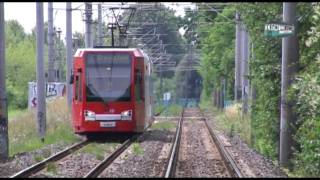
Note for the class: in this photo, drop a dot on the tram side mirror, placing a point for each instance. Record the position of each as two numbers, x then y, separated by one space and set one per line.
71 80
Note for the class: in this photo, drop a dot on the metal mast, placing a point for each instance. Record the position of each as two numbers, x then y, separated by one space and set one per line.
290 59
69 50
4 142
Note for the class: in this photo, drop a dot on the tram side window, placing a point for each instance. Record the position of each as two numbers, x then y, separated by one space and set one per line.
78 89
138 85
76 94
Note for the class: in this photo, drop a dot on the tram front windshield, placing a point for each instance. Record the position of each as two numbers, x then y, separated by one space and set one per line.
108 77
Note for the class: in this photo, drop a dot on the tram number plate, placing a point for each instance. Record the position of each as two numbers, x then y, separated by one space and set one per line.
107 124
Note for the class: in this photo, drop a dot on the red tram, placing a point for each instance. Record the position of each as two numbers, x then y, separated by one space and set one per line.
112 90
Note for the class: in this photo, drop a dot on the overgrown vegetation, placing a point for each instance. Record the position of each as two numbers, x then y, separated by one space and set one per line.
164 125
23 136
98 149
52 168
172 110
265 77
306 94
137 149
231 121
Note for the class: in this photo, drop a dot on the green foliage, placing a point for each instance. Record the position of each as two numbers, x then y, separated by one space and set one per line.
231 121
305 93
51 168
23 136
172 110
38 158
215 63
168 85
165 125
20 64
137 149
97 149
265 74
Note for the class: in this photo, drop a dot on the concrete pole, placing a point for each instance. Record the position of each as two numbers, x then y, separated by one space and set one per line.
290 59
100 39
222 82
88 20
41 97
69 50
4 142
51 72
244 70
237 85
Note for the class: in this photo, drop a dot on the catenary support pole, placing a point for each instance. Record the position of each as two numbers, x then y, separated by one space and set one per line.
244 70
51 72
69 50
290 59
4 141
88 29
237 85
100 38
41 101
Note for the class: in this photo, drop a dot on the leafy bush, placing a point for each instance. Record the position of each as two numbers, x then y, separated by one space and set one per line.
23 134
307 155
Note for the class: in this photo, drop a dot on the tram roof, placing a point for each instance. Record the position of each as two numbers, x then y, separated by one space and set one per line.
80 51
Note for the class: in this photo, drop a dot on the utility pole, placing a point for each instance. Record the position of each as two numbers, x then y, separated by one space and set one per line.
237 85
161 75
88 20
244 70
4 141
69 50
99 26
112 28
290 59
51 71
41 98
222 84
58 58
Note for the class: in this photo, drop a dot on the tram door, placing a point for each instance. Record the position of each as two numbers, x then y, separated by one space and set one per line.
139 94
77 96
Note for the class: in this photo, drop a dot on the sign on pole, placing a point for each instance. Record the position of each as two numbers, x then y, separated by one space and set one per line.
278 30
166 96
53 90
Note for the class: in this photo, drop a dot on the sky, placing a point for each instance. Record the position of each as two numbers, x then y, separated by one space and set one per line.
25 14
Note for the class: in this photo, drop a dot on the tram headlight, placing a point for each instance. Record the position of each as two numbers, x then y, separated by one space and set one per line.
89 115
126 115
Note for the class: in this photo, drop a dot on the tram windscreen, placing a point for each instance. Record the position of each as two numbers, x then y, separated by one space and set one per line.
108 77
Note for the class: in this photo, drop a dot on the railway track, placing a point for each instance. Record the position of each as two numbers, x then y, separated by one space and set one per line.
41 165
173 160
174 157
28 172
95 172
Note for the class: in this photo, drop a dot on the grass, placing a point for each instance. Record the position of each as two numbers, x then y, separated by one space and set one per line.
231 121
38 158
23 136
52 168
137 149
12 113
97 149
172 110
165 125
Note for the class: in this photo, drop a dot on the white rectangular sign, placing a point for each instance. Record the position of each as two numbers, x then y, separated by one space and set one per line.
166 96
53 90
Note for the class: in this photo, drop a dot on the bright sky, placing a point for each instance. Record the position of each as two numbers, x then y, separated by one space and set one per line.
25 13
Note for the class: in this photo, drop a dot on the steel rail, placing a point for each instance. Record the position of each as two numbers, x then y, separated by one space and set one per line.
39 166
99 168
232 166
174 152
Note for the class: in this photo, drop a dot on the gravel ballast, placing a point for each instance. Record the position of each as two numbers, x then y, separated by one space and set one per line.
250 162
